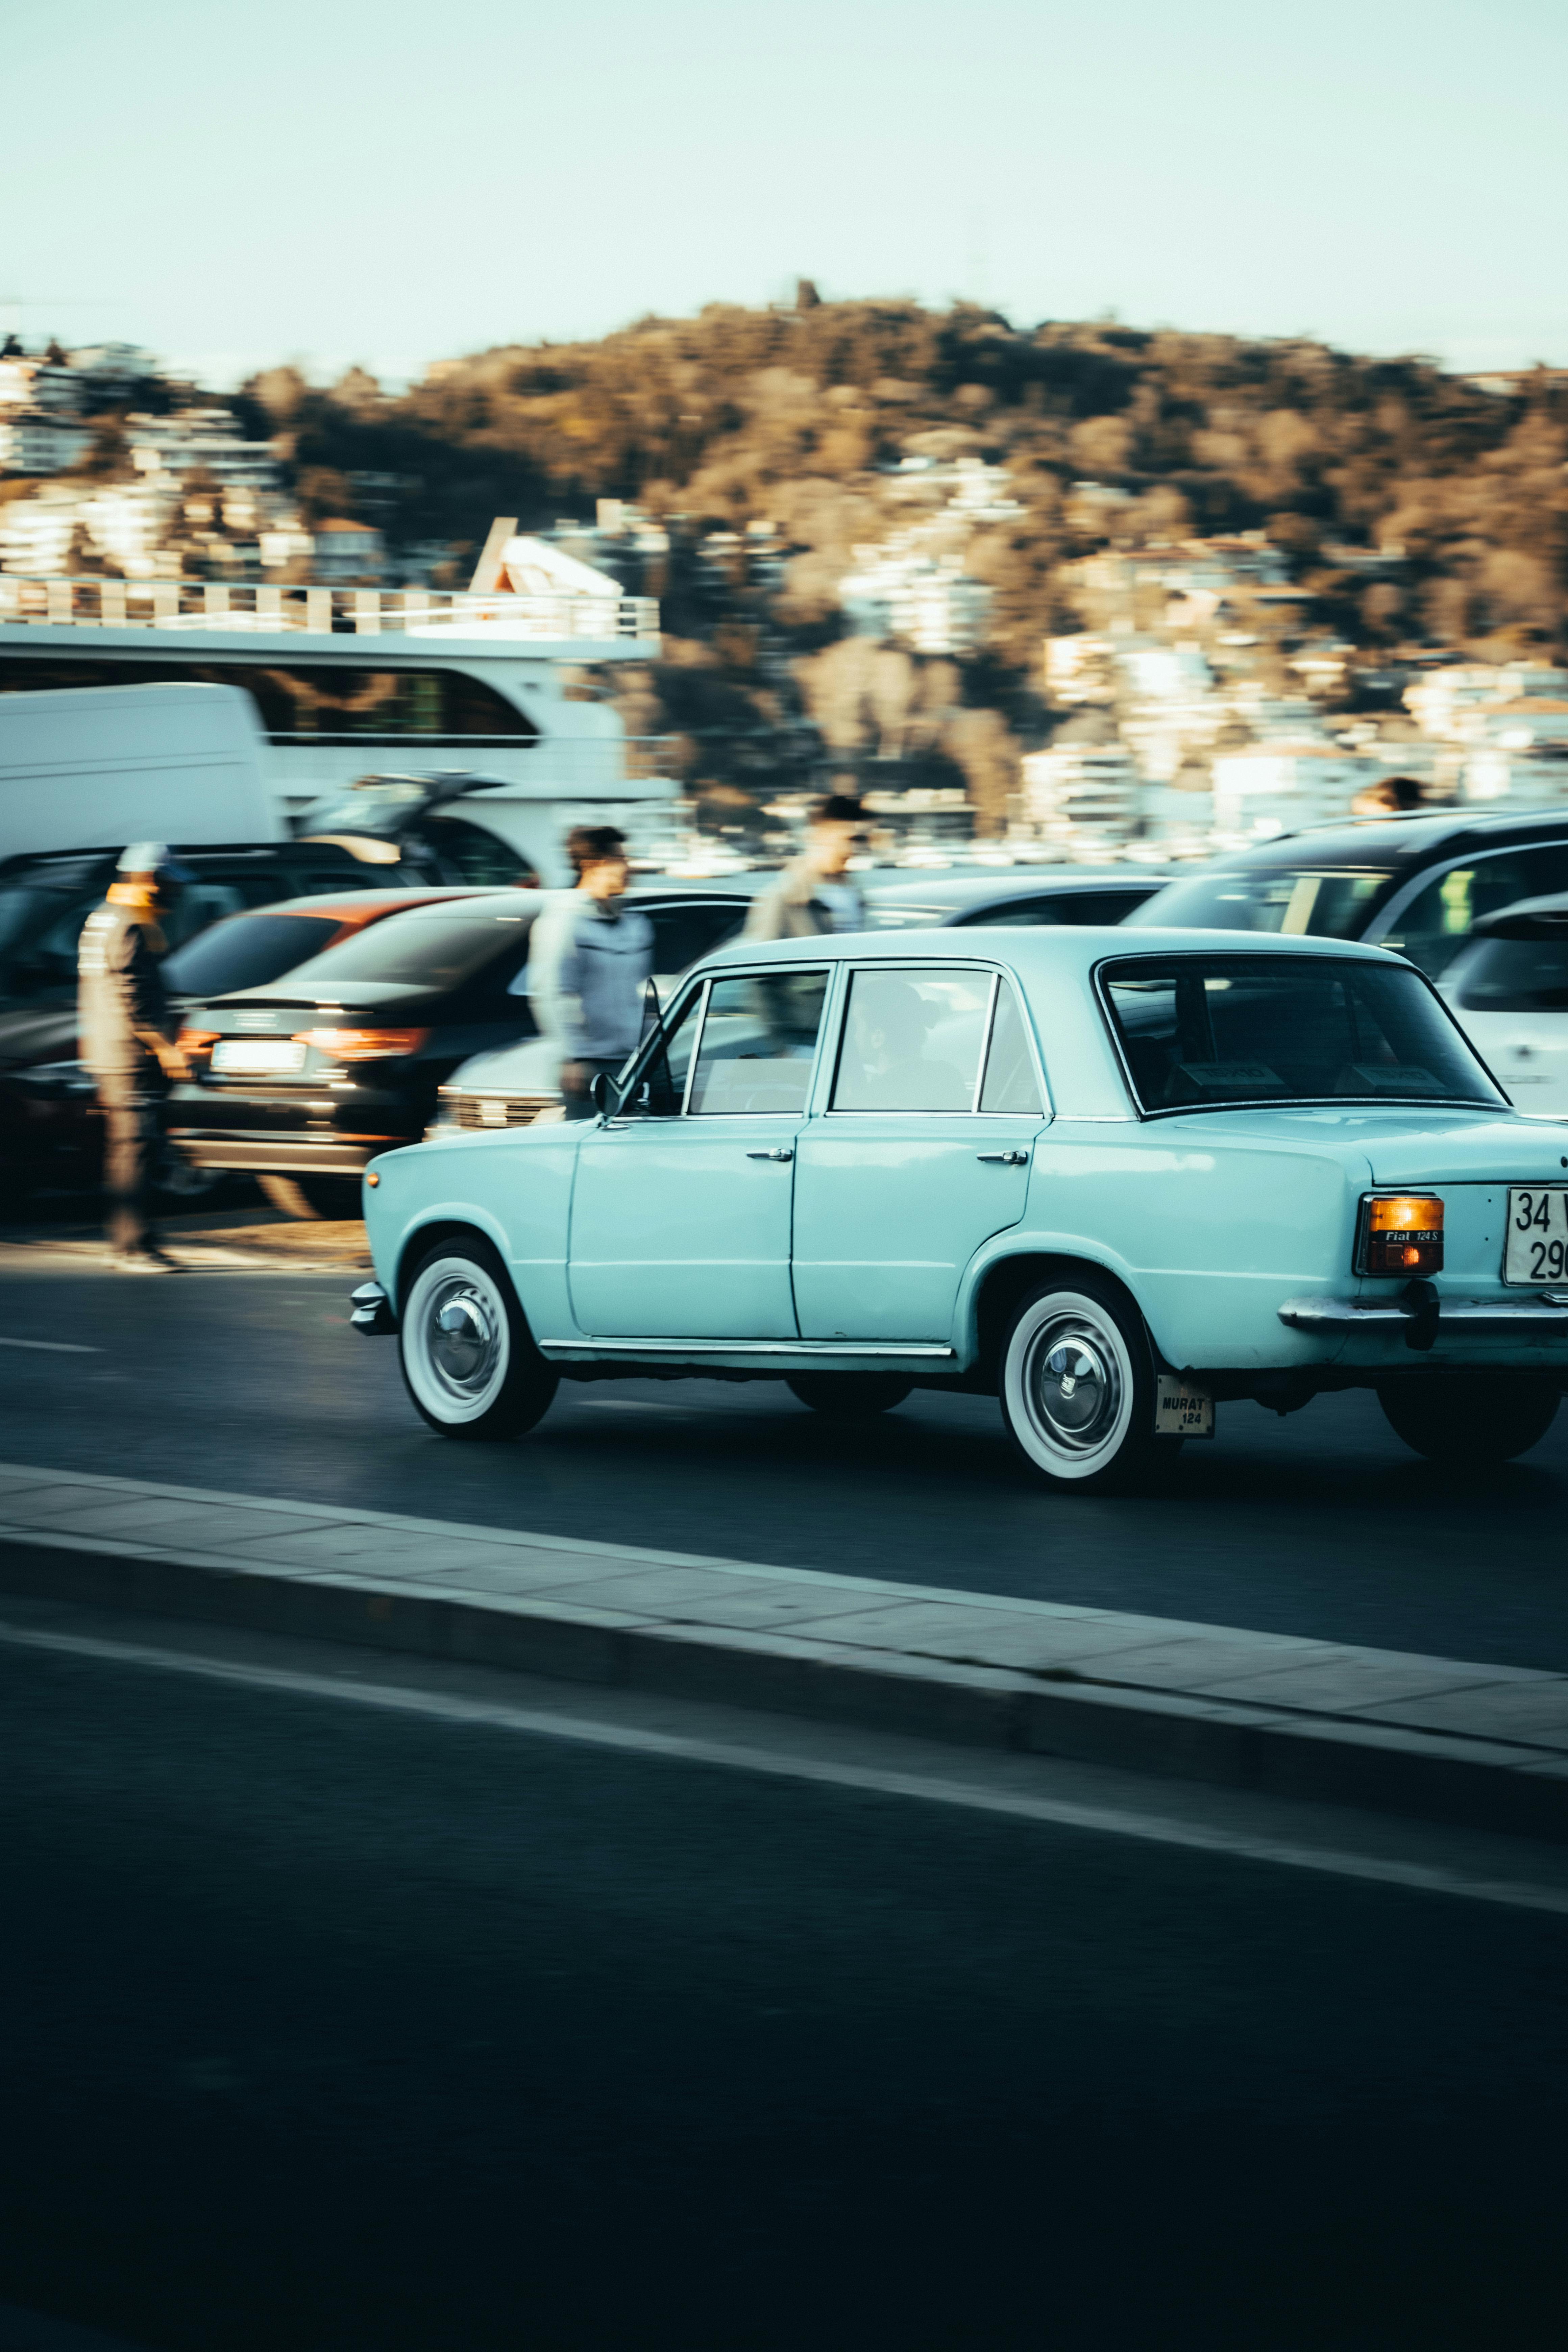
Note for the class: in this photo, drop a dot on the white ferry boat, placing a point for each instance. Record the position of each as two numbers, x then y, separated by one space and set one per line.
348 682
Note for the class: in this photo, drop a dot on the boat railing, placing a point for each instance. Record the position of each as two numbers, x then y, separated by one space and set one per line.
244 607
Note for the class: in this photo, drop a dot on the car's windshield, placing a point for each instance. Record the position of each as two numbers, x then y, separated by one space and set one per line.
434 951
1199 1030
1334 902
246 951
1513 976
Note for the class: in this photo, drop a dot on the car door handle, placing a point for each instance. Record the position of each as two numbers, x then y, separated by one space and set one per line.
1006 1159
770 1155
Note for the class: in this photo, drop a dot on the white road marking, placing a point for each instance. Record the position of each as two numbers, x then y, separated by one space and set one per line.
52 1347
1106 1821
631 1404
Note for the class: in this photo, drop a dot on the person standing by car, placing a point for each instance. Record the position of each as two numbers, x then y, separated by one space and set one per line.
588 974
816 893
128 1030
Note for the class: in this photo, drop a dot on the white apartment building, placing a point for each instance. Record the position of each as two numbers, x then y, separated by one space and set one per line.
347 551
1282 786
1078 669
1082 798
39 384
927 602
34 442
36 533
204 440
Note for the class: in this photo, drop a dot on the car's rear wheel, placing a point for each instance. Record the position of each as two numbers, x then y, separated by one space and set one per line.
468 1359
849 1396
1078 1388
313 1196
1470 1417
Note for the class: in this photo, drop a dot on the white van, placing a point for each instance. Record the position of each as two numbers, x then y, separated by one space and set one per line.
95 767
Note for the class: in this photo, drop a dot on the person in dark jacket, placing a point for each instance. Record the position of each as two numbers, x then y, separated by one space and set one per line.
816 893
128 1031
600 984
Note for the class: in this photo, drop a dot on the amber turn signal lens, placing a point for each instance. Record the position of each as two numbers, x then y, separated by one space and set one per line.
363 1044
1404 1235
194 1042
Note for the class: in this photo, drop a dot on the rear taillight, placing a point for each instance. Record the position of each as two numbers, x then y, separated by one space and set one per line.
362 1045
1401 1233
196 1045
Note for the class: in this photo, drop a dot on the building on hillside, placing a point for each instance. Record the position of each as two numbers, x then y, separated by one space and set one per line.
1082 798
930 604
347 552
1282 786
110 371
39 384
32 441
36 532
201 440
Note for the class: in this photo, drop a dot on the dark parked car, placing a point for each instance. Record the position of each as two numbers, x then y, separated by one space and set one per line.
49 1122
1417 884
306 1079
1025 896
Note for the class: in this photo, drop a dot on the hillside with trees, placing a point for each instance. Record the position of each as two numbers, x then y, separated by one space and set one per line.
1418 510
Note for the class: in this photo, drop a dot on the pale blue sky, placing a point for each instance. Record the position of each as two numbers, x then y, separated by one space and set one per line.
391 181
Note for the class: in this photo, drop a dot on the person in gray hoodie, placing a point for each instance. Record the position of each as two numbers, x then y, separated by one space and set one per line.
599 986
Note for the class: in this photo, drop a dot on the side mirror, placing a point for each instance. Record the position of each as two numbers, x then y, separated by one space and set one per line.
604 1094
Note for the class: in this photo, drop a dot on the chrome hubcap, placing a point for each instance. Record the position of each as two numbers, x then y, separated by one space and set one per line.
1074 1384
464 1338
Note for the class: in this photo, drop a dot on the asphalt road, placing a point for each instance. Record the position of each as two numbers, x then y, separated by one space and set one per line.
1322 1524
330 2028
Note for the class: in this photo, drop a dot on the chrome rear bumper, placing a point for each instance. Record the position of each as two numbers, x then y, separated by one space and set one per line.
1423 1314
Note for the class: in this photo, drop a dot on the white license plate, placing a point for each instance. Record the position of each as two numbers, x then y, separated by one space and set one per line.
1537 1247
257 1057
1181 1410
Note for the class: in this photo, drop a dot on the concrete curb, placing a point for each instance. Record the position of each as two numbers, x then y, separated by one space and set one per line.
1461 1780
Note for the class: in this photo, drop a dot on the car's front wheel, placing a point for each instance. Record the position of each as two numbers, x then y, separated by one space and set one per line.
468 1359
1078 1388
1460 1418
849 1396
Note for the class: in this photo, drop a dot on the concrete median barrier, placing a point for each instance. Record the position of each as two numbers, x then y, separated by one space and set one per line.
1477 1746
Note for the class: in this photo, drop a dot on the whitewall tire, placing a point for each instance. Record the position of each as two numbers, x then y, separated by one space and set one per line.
1078 1388
468 1360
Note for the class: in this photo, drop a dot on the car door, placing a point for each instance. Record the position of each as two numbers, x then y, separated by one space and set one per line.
681 1207
922 1152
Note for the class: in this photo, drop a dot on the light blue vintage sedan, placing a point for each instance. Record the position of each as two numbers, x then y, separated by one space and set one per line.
1111 1178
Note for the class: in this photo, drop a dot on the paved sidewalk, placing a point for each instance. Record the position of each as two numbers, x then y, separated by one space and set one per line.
1486 1746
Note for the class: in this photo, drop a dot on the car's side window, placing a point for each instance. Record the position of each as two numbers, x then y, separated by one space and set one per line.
759 1043
1439 918
1010 1084
913 1040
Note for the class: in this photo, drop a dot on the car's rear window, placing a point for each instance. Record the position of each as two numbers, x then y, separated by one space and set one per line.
246 951
1204 1031
1328 902
437 951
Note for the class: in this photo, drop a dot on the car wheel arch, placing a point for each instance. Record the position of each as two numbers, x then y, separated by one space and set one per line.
1009 1279
439 1233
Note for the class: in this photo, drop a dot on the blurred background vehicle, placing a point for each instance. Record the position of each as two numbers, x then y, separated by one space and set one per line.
1416 884
411 823
516 1083
302 1080
85 766
49 1109
923 900
1509 986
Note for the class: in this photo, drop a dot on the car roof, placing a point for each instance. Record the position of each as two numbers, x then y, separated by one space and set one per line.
355 907
1041 882
1414 840
1051 949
